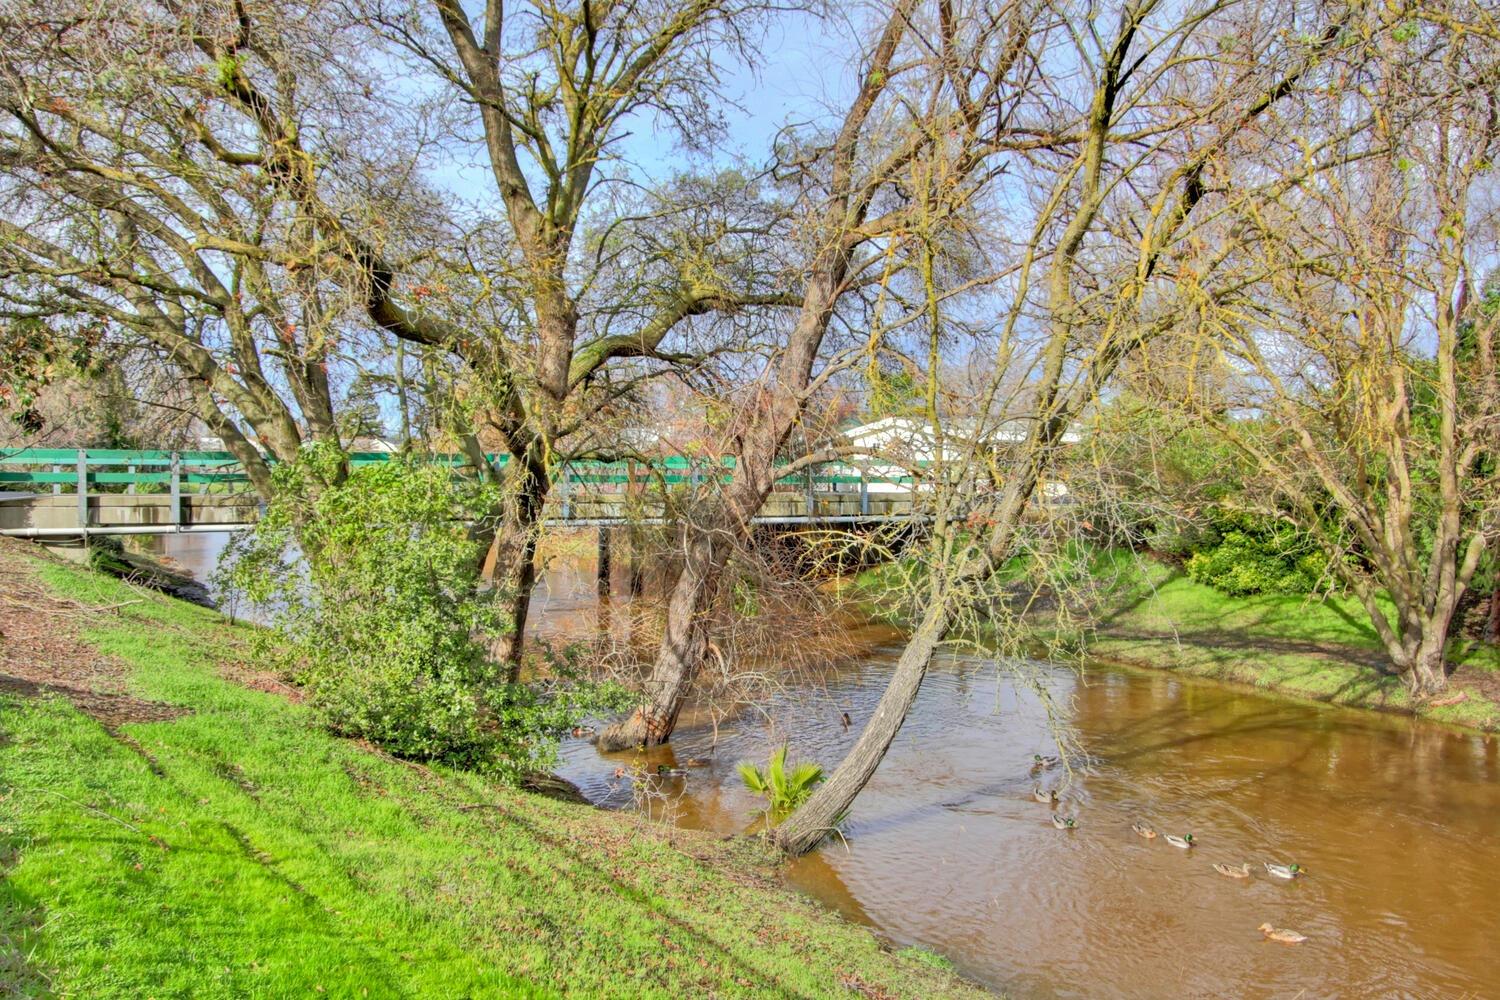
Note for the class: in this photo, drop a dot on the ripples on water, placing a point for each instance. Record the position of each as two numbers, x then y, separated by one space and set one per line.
1394 820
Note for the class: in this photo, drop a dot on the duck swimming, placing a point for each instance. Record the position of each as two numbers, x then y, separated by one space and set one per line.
663 771
1048 797
1185 841
1043 763
1284 871
1143 830
1233 871
1064 822
1281 934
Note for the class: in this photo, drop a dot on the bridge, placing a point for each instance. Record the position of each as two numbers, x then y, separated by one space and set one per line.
68 493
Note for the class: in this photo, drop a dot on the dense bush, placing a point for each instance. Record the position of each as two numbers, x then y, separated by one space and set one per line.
1242 554
373 591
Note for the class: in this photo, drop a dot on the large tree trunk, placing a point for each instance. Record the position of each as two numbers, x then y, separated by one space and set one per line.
814 819
1427 670
1416 646
1428 674
513 575
684 644
1492 627
510 562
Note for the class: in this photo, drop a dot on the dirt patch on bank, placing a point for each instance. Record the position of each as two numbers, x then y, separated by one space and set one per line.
260 680
1476 681
41 653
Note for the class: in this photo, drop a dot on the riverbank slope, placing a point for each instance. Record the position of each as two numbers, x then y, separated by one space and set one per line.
171 825
1150 614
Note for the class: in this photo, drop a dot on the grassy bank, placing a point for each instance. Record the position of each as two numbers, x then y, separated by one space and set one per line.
1150 614
1322 648
171 826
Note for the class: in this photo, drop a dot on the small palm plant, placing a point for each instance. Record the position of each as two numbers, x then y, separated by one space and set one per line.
783 792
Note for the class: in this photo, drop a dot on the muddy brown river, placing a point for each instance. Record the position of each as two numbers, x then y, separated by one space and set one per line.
1397 823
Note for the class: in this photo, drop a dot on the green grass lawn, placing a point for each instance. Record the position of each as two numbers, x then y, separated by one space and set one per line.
1321 647
1152 615
236 851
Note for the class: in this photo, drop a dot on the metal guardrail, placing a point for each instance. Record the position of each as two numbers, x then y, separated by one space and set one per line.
83 470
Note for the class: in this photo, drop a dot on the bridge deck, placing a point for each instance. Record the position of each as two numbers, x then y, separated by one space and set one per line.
101 491
45 515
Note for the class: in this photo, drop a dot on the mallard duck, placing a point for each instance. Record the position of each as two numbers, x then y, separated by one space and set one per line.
1185 841
583 731
663 771
1282 935
1064 822
1284 871
1048 796
1043 763
1144 830
1233 871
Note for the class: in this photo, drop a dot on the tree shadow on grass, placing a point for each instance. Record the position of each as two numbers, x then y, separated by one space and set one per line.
1240 640
699 941
21 921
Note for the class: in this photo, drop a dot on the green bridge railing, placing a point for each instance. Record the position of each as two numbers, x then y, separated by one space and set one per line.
83 471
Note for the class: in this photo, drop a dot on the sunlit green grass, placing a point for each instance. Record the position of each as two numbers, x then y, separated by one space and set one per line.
1151 614
1320 646
238 852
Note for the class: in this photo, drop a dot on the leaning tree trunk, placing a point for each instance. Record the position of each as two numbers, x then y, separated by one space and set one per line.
814 819
684 644
686 639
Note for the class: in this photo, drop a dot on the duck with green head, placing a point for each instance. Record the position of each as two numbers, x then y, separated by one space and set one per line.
1185 841
1290 871
1064 822
1040 762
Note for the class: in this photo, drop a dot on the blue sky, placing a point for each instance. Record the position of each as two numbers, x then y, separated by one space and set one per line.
803 69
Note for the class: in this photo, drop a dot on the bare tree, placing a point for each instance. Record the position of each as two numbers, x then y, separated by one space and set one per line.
237 155
131 209
920 137
552 89
1125 240
1368 399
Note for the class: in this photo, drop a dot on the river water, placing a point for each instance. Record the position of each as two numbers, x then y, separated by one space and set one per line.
1394 820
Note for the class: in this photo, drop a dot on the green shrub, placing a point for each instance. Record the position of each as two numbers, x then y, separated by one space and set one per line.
373 592
783 792
1249 562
